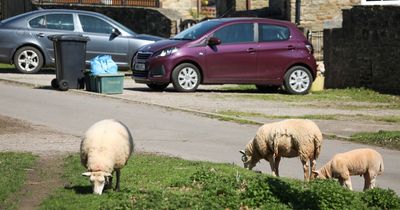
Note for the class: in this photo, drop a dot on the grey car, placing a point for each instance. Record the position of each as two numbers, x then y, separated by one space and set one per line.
24 38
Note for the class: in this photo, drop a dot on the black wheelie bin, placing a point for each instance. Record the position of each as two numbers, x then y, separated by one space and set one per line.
70 57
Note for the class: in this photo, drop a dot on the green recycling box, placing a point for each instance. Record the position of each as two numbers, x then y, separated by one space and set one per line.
105 83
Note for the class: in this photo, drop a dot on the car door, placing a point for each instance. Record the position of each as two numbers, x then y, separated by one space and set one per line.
234 60
50 24
274 52
102 41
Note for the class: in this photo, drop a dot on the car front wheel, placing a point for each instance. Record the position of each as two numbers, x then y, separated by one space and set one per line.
186 77
298 80
28 60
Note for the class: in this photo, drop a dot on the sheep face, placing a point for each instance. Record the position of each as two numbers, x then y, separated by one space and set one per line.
98 180
248 161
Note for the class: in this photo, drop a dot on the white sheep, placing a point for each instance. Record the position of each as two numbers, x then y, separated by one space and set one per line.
287 138
106 148
363 162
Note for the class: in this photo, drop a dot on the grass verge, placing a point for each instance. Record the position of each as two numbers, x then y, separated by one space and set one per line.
350 98
236 114
13 171
389 139
158 182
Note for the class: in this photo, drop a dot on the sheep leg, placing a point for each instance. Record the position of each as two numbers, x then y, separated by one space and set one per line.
313 164
367 181
277 160
118 173
271 161
306 170
373 181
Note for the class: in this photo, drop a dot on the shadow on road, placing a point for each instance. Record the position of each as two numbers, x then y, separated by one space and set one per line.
14 71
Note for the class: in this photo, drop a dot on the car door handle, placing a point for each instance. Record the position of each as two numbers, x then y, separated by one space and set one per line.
290 47
40 35
250 50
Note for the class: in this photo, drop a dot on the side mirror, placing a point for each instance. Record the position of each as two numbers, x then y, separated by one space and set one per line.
116 32
212 41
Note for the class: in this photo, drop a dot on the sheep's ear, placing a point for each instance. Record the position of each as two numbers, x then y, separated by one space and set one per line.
88 173
107 175
242 151
316 173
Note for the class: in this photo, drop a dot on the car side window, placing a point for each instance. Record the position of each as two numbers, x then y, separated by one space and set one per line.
38 22
269 33
236 33
95 25
53 21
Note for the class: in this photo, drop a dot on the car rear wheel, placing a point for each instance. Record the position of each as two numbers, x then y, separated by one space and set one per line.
157 87
28 60
298 80
267 88
186 77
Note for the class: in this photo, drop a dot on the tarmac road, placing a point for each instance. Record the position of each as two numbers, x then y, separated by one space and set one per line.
163 130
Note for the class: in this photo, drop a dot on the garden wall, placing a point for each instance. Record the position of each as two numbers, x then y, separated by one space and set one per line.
365 52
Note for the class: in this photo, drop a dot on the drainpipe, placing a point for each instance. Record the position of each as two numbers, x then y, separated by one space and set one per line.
298 9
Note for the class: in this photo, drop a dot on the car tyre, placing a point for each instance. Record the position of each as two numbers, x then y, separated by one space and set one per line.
63 85
54 83
267 88
158 87
28 60
298 80
186 77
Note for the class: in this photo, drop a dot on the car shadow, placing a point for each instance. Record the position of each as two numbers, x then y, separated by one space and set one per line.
200 90
14 71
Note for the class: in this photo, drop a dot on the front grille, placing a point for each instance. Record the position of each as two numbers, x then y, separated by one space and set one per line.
144 55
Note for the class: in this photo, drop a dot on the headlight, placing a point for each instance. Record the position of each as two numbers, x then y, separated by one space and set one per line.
168 51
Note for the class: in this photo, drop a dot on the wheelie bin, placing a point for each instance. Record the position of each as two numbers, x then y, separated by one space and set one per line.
70 57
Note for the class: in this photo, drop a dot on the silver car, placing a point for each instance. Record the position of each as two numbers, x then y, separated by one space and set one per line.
24 38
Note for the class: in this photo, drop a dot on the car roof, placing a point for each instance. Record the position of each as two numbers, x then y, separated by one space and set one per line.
251 19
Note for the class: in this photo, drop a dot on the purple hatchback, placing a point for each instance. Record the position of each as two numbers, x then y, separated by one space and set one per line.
265 52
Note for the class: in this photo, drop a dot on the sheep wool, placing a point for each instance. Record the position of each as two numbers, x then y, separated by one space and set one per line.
287 138
364 162
106 148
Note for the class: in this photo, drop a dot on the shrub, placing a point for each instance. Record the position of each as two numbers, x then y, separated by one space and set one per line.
381 198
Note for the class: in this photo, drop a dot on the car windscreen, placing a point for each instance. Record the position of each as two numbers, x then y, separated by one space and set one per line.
197 30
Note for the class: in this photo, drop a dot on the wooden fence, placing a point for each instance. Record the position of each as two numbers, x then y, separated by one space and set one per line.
139 3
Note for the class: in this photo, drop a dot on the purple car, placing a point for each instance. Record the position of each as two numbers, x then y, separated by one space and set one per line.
265 52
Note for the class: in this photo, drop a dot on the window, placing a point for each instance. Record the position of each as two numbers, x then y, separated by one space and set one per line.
95 25
237 33
380 2
269 33
53 21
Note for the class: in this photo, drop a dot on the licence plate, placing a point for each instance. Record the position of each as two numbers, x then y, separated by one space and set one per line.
140 66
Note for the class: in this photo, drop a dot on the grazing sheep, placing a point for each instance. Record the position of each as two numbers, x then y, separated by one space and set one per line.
363 162
287 138
106 148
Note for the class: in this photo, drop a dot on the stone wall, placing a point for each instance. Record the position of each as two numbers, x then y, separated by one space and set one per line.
365 51
186 8
315 12
254 4
140 20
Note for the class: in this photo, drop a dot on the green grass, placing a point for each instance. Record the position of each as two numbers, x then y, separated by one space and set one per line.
13 171
158 182
6 66
350 98
232 115
389 139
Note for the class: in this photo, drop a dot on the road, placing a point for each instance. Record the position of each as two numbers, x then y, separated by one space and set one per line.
163 130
